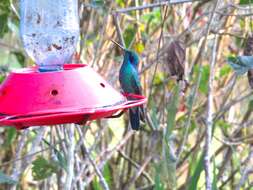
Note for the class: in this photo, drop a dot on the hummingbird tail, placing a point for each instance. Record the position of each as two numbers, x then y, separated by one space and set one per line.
134 116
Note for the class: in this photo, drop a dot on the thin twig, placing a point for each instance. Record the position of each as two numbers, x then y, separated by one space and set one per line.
16 165
118 28
137 166
209 121
105 156
97 170
138 173
70 157
248 169
164 3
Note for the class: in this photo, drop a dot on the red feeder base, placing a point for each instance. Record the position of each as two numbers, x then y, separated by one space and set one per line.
74 95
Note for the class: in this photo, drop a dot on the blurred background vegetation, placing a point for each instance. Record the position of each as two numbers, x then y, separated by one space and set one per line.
169 152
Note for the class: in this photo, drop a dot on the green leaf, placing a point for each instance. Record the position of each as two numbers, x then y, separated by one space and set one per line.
42 168
4 14
61 160
214 183
1 79
4 6
129 34
11 135
225 70
4 179
3 24
205 72
245 2
121 3
152 18
108 178
96 185
159 78
196 174
203 86
107 174
158 183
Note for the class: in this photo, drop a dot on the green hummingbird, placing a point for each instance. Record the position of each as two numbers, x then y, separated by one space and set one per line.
130 83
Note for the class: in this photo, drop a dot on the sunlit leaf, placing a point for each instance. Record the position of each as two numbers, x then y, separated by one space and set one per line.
203 86
121 3
159 78
225 70
139 47
107 174
96 185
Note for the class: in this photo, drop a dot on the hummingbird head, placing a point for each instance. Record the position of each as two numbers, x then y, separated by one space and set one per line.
129 56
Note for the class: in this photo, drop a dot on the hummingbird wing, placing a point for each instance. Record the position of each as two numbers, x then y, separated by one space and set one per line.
135 82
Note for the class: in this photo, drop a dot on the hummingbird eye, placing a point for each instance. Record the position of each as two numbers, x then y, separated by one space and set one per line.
131 58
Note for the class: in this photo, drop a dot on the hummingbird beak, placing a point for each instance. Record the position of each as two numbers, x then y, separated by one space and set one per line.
118 44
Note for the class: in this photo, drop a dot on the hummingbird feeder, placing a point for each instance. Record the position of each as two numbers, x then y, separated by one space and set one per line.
54 92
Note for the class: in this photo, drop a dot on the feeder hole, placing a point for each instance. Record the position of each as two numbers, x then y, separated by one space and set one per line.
54 92
102 84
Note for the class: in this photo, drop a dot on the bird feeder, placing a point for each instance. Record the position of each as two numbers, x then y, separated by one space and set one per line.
54 92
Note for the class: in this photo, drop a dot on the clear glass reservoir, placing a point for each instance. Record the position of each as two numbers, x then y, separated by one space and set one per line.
49 31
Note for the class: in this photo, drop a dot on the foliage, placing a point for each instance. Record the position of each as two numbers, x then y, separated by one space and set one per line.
42 168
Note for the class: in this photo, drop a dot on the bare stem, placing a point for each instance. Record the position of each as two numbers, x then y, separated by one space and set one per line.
70 157
139 8
209 122
97 170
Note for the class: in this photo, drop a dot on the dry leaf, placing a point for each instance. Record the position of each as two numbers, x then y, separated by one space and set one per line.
175 59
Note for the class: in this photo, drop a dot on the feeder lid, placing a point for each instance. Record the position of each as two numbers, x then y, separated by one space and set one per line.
73 95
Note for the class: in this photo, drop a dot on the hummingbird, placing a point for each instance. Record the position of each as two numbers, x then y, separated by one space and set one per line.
130 83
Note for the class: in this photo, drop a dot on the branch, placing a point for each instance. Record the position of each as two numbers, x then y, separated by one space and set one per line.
16 165
141 169
107 155
119 31
70 157
97 170
139 8
209 122
248 169
137 166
